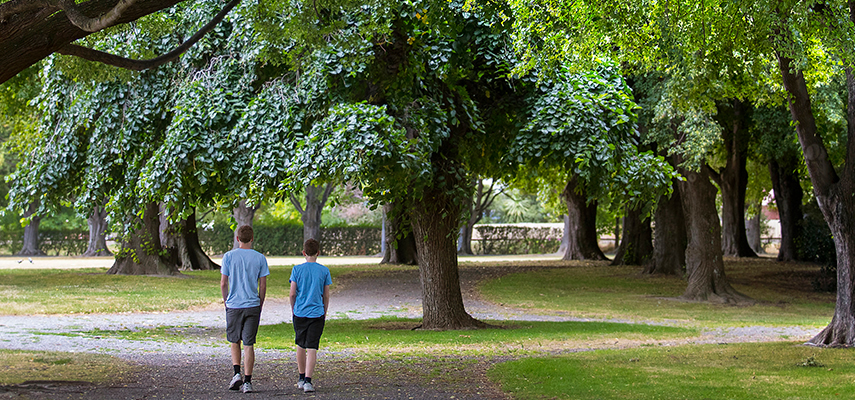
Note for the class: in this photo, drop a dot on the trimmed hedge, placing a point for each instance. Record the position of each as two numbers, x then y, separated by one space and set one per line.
287 240
512 239
53 243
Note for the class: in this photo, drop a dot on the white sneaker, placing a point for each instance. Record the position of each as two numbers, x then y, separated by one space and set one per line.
235 382
246 387
300 384
307 387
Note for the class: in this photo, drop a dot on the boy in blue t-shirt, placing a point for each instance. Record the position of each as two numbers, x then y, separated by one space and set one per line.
244 286
310 300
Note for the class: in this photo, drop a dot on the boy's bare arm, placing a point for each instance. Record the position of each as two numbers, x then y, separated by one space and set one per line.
293 295
224 287
326 299
262 290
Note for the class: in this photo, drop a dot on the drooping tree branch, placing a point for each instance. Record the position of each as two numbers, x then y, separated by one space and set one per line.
140 65
94 24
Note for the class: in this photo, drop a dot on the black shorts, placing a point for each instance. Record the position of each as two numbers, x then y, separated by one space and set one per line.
307 332
242 324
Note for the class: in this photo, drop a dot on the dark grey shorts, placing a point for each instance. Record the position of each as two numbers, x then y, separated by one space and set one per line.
308 331
242 324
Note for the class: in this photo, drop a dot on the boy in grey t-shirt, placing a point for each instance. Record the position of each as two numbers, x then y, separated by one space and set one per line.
244 286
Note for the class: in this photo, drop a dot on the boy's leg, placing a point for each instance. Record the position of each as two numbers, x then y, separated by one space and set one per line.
301 360
311 361
249 359
235 347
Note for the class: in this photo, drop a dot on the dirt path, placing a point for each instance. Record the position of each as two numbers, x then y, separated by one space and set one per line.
200 370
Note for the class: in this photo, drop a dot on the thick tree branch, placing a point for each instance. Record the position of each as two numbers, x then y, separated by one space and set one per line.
22 6
94 24
140 65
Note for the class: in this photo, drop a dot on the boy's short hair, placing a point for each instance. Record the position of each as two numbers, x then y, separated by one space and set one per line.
311 247
245 234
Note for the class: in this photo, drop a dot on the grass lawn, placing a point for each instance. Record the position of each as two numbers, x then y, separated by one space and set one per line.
733 371
596 290
20 366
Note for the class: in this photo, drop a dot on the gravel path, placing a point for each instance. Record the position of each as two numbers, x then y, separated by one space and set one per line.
199 369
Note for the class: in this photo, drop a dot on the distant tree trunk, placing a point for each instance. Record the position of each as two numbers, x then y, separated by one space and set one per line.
141 252
582 244
788 198
97 233
636 248
482 199
733 179
316 199
565 236
244 215
670 239
435 220
31 233
754 230
398 251
704 264
181 241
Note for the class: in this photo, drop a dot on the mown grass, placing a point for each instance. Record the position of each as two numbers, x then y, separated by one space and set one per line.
45 291
734 371
596 290
21 366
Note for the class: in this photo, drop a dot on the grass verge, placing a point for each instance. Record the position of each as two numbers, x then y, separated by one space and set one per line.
21 366
734 371
595 290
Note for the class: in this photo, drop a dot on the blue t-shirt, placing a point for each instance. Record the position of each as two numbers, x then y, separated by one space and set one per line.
244 267
311 278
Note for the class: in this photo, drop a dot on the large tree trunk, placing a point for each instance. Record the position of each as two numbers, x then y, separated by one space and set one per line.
582 244
435 220
636 247
181 241
398 250
788 198
670 239
464 240
704 264
733 180
833 193
316 199
31 233
565 236
30 36
141 253
243 216
97 233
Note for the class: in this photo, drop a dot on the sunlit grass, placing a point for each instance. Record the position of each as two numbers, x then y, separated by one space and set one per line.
21 366
596 290
734 371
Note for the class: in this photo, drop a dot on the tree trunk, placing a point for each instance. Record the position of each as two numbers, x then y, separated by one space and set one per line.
565 236
398 250
754 229
243 216
464 242
733 180
704 264
670 239
435 220
31 233
181 242
582 244
636 248
833 193
142 253
28 37
97 234
788 198
316 198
